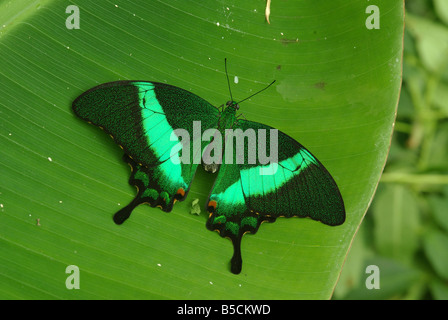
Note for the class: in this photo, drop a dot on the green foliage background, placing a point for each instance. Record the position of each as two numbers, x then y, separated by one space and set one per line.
405 232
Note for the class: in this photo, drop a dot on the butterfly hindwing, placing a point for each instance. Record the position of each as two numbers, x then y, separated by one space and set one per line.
296 185
246 194
142 118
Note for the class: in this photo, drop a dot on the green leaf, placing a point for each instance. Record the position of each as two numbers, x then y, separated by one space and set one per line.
439 289
439 207
394 279
441 96
354 272
396 223
435 244
336 93
441 7
431 41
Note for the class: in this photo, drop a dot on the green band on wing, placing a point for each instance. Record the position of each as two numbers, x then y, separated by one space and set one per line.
158 133
255 184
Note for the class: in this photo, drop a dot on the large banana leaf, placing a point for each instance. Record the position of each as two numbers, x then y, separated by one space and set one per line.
62 179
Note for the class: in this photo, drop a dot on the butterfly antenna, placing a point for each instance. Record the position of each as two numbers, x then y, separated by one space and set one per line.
228 81
257 92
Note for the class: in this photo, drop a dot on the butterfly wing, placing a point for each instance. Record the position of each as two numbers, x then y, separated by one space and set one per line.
143 118
246 194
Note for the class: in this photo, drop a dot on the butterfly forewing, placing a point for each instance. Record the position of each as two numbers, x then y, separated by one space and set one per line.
142 118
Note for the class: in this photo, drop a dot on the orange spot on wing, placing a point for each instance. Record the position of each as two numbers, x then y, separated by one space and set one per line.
213 204
181 192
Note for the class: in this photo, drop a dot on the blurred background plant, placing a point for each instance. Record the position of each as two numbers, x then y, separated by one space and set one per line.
405 231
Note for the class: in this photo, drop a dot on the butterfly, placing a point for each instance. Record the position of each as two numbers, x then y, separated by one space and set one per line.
153 123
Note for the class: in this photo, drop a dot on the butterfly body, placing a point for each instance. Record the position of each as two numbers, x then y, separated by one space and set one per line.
226 120
227 117
262 173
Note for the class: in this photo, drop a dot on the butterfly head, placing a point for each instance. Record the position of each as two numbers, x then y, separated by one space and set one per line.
233 105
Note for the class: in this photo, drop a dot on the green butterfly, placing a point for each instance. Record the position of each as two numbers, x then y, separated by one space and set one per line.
144 117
